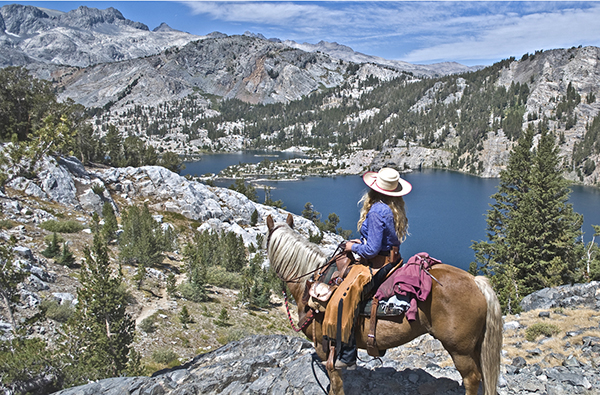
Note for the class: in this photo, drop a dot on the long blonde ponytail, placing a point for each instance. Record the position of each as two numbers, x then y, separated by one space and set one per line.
395 203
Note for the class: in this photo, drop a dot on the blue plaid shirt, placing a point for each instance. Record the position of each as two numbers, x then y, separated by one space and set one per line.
378 232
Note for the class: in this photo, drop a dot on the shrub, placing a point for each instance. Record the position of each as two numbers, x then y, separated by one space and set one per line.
191 292
220 277
164 356
69 226
6 224
148 324
540 328
55 311
98 189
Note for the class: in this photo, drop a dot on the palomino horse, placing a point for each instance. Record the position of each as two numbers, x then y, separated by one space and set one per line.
462 312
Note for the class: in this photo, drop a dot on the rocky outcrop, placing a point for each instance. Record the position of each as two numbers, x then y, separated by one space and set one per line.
288 365
411 157
68 182
584 295
217 209
65 181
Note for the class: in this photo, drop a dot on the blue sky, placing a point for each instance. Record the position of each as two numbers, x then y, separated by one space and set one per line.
422 32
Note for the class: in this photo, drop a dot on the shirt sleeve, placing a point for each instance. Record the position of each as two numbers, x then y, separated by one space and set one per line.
372 246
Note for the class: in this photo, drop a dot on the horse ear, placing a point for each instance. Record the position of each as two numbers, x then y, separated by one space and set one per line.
270 223
290 221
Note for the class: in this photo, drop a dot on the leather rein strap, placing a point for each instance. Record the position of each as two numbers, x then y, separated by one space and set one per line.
328 262
303 322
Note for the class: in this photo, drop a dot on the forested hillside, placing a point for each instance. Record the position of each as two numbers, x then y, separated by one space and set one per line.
476 117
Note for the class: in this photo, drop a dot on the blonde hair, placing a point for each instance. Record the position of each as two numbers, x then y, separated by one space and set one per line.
395 203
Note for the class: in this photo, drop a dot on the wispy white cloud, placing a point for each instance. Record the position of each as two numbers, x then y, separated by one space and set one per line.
419 31
510 34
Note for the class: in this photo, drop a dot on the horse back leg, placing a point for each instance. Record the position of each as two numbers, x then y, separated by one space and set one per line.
469 368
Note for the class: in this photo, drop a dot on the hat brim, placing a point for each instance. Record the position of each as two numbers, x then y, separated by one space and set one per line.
403 188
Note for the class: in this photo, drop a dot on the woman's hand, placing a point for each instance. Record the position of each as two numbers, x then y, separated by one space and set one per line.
349 243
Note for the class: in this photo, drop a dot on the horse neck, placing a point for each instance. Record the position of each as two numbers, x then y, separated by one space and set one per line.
292 257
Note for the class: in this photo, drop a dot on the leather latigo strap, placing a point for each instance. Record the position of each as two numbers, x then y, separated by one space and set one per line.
372 349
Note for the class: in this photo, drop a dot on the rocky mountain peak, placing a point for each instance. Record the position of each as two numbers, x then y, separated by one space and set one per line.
88 18
163 27
22 19
79 37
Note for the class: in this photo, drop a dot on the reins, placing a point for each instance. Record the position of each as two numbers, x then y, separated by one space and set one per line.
307 318
328 262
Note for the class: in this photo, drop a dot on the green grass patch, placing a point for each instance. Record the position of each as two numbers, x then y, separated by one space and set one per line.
6 224
165 357
69 226
541 328
55 311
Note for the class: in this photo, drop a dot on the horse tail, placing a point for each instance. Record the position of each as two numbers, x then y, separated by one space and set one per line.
492 338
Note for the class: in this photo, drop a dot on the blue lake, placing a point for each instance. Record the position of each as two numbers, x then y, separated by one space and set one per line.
446 210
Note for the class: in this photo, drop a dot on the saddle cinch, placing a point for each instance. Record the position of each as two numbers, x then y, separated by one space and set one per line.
362 279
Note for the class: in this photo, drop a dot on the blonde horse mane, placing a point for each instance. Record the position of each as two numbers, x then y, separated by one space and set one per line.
291 255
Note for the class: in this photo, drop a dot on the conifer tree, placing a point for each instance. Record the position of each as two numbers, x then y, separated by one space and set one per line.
110 227
592 257
256 288
53 248
114 146
184 317
254 217
532 232
97 342
143 241
66 257
223 318
233 252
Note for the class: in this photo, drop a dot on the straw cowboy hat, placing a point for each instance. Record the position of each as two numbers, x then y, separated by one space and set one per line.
387 181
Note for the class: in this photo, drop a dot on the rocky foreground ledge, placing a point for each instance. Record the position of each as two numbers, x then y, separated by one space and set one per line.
278 364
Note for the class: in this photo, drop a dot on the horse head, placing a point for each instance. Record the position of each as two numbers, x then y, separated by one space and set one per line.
290 254
271 224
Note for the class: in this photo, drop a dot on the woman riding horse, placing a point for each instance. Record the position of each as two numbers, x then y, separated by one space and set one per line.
461 311
383 226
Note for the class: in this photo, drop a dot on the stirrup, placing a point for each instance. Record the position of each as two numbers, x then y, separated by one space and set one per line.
330 365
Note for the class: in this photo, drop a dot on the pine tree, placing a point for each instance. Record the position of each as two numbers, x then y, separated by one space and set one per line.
110 227
114 146
223 318
143 240
66 257
310 213
254 217
53 248
184 317
532 232
98 338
